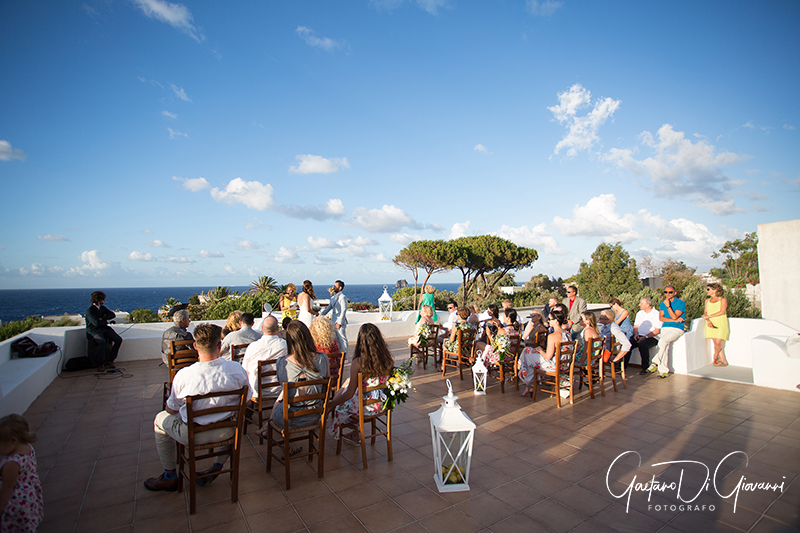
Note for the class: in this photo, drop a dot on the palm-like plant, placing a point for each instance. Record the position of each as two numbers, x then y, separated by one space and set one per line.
219 293
264 284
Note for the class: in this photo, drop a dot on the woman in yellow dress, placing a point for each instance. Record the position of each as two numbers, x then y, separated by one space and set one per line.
288 303
716 319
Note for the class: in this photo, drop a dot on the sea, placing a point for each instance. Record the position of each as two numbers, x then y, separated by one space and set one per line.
18 304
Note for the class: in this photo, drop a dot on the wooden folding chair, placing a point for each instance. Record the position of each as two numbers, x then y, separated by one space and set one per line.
188 454
429 350
564 370
509 366
384 418
237 352
465 341
590 370
615 347
336 362
177 359
285 436
268 391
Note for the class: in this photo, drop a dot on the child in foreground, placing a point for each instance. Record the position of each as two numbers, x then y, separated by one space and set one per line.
21 492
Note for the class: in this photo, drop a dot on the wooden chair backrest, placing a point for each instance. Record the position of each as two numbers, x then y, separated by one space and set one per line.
594 351
566 352
174 345
320 399
237 351
235 411
514 344
181 359
336 362
363 401
268 379
466 341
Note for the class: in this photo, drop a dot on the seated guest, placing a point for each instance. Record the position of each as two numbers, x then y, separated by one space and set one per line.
233 323
302 363
97 317
269 347
463 323
646 328
622 318
512 328
285 324
589 332
607 328
492 325
426 319
475 313
505 304
536 325
549 306
452 318
210 374
324 336
374 361
177 332
244 335
533 358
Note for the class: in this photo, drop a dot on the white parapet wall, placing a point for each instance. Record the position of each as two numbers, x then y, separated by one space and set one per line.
778 260
23 380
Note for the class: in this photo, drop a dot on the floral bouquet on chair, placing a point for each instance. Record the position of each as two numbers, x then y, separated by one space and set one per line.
500 346
422 336
399 385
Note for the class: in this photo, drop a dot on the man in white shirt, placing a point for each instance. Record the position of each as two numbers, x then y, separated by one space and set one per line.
646 328
209 374
244 335
269 347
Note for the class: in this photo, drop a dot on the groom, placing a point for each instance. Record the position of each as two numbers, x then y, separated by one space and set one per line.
339 316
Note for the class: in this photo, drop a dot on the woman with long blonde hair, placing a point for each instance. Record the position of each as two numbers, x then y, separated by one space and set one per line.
324 337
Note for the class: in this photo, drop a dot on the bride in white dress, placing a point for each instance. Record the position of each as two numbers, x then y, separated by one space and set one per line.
304 300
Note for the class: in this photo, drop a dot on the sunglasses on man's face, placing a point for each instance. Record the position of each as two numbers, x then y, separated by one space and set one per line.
669 292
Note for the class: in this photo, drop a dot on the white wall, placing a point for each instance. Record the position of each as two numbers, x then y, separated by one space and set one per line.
779 266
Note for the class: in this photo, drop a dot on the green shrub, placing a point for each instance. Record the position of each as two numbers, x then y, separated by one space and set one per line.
15 327
247 303
141 315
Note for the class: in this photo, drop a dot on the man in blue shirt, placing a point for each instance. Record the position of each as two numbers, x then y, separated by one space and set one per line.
672 314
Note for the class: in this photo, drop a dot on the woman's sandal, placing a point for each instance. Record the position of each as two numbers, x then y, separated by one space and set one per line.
293 450
352 438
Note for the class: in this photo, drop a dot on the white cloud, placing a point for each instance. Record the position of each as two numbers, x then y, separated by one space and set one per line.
543 8
180 93
183 259
158 244
253 223
378 258
287 255
788 127
387 219
52 238
431 6
193 184
252 194
7 153
168 114
321 242
403 239
176 15
141 256
581 130
230 270
536 237
176 133
721 207
326 260
206 253
309 36
93 265
749 125
599 218
793 182
459 230
333 208
146 231
681 168
38 269
247 245
316 164
355 247
481 149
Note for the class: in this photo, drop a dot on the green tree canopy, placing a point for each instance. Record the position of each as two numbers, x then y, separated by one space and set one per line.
424 256
740 261
477 256
611 273
264 284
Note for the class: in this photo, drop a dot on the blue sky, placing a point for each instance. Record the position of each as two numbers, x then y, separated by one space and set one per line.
150 143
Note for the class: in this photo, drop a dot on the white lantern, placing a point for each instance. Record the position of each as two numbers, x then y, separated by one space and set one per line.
452 433
385 304
479 372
